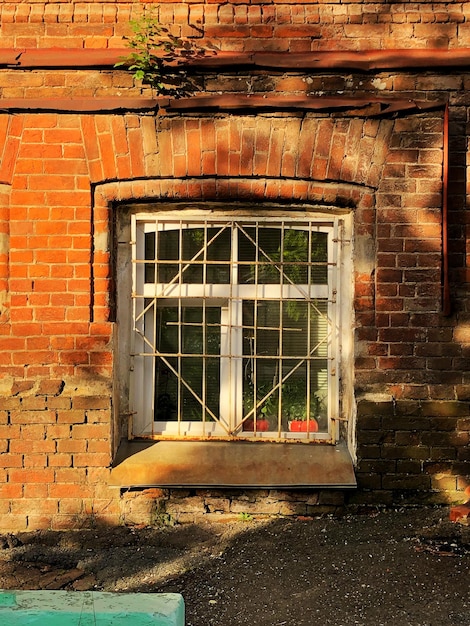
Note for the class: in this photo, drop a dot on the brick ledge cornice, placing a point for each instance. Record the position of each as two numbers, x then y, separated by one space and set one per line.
358 106
360 60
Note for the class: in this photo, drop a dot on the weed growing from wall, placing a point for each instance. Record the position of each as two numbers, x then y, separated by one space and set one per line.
161 59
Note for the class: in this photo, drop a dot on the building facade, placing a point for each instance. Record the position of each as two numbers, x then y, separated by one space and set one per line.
251 298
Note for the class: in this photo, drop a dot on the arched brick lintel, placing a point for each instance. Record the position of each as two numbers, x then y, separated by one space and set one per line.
298 146
259 189
289 192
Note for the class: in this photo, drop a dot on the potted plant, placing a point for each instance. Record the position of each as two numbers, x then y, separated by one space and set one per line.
268 410
294 407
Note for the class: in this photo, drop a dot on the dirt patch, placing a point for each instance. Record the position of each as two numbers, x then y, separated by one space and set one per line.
406 567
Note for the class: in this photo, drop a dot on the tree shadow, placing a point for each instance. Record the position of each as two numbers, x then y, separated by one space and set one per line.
270 571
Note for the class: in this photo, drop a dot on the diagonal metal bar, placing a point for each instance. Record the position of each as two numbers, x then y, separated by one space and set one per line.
176 279
191 390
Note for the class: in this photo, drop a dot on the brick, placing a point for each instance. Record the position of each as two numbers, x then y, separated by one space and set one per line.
35 490
43 475
90 431
33 417
91 402
91 460
9 522
64 490
11 460
26 446
406 482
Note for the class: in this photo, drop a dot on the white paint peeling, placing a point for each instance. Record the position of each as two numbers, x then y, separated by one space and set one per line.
379 84
101 242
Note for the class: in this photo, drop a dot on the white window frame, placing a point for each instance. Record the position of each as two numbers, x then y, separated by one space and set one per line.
337 292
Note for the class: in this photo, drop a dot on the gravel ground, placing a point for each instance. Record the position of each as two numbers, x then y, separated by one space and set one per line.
403 567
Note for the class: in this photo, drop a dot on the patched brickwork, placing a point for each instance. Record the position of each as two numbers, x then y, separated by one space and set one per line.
166 507
66 167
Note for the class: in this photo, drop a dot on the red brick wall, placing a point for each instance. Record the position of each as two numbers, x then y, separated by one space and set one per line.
281 25
61 173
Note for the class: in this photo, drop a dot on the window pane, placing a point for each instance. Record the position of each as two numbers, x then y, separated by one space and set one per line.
166 391
212 387
246 255
167 330
319 252
219 249
265 381
192 255
262 326
319 393
212 330
294 391
192 330
168 249
294 255
269 255
191 373
319 328
295 328
187 331
200 247
150 256
283 330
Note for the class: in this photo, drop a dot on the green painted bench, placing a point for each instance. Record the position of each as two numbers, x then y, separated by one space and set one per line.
90 608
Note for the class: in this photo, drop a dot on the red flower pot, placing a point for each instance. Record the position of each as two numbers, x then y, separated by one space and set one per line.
303 426
261 425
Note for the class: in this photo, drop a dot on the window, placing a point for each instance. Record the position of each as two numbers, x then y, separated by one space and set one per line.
235 325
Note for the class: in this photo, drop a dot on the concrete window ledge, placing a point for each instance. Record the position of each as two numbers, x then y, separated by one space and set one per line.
221 464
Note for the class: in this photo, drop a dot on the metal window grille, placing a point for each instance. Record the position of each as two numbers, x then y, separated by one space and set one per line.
235 331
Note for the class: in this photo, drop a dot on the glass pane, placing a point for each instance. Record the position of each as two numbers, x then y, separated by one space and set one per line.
319 328
193 254
319 252
295 328
295 256
319 392
298 407
167 330
294 390
213 330
168 250
218 249
265 408
284 258
149 256
200 247
192 330
267 327
269 255
166 391
201 389
201 375
246 255
191 373
212 387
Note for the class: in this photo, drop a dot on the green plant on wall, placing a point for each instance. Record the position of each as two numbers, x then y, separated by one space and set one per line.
160 59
